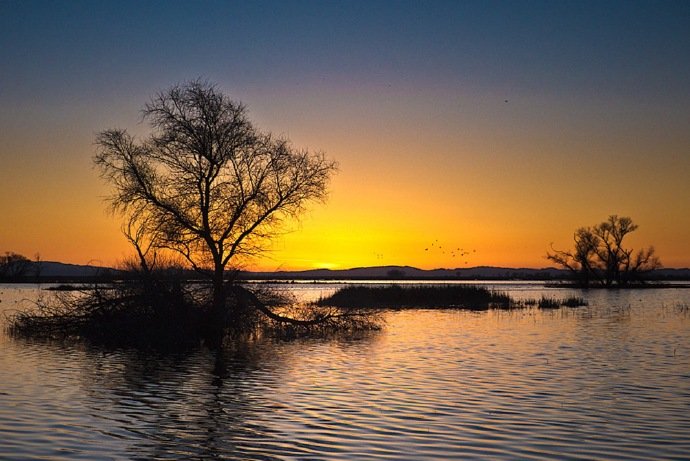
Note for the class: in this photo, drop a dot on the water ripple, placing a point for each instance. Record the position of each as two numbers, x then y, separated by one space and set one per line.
606 382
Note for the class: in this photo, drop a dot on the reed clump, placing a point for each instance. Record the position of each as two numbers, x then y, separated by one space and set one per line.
548 303
415 296
437 296
574 301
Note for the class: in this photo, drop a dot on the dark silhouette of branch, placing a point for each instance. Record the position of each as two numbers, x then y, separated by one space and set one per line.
599 255
206 184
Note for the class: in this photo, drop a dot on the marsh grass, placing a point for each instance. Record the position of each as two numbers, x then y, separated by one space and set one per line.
437 296
397 296
548 303
574 301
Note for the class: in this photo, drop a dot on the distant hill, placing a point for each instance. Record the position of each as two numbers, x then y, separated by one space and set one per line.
51 271
413 273
57 271
671 274
408 272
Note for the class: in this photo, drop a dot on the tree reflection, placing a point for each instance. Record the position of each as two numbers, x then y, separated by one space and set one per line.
172 405
201 404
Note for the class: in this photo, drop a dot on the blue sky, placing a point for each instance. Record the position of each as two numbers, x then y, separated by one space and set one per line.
534 107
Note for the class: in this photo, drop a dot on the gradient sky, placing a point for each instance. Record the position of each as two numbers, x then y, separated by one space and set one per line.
498 127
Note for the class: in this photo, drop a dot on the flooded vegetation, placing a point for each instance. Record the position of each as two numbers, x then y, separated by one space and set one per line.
437 296
168 313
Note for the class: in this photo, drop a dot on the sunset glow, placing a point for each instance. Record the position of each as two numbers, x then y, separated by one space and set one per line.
457 145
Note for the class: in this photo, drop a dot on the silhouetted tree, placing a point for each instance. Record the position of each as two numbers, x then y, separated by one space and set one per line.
38 266
599 255
13 266
580 261
206 184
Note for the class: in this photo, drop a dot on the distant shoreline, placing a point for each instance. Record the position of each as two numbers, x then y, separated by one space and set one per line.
56 272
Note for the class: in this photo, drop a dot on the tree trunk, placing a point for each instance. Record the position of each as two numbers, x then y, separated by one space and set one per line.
217 315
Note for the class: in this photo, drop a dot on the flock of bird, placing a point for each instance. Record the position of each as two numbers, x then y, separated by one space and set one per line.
454 252
437 247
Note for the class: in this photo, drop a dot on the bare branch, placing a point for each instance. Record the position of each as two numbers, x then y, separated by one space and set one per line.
206 183
599 254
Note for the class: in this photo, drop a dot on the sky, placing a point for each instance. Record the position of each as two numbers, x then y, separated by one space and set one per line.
495 127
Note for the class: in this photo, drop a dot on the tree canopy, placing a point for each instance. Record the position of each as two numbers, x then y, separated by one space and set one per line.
599 256
14 266
206 183
207 186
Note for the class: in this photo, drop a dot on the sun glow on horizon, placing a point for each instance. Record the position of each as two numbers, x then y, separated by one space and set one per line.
466 135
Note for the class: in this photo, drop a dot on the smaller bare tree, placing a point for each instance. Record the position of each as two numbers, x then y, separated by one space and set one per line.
600 257
38 266
13 266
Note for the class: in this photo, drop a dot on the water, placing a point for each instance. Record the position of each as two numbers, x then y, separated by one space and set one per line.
609 381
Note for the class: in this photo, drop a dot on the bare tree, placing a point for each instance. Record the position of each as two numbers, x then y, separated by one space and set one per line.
579 261
599 255
206 184
38 266
13 266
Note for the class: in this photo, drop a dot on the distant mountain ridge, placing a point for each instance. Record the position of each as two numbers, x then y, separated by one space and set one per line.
53 270
472 273
409 272
46 271
58 269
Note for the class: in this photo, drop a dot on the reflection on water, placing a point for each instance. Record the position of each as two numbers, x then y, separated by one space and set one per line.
608 381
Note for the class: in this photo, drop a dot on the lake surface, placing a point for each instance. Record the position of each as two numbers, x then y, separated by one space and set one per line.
607 381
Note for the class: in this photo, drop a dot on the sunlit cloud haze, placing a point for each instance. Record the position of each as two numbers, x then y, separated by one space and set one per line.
497 128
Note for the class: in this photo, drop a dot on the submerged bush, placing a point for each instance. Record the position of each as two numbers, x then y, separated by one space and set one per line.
172 313
125 313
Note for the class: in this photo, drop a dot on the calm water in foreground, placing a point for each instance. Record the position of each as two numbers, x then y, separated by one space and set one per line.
608 381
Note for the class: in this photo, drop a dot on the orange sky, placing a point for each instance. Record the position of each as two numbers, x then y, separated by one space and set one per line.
446 133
